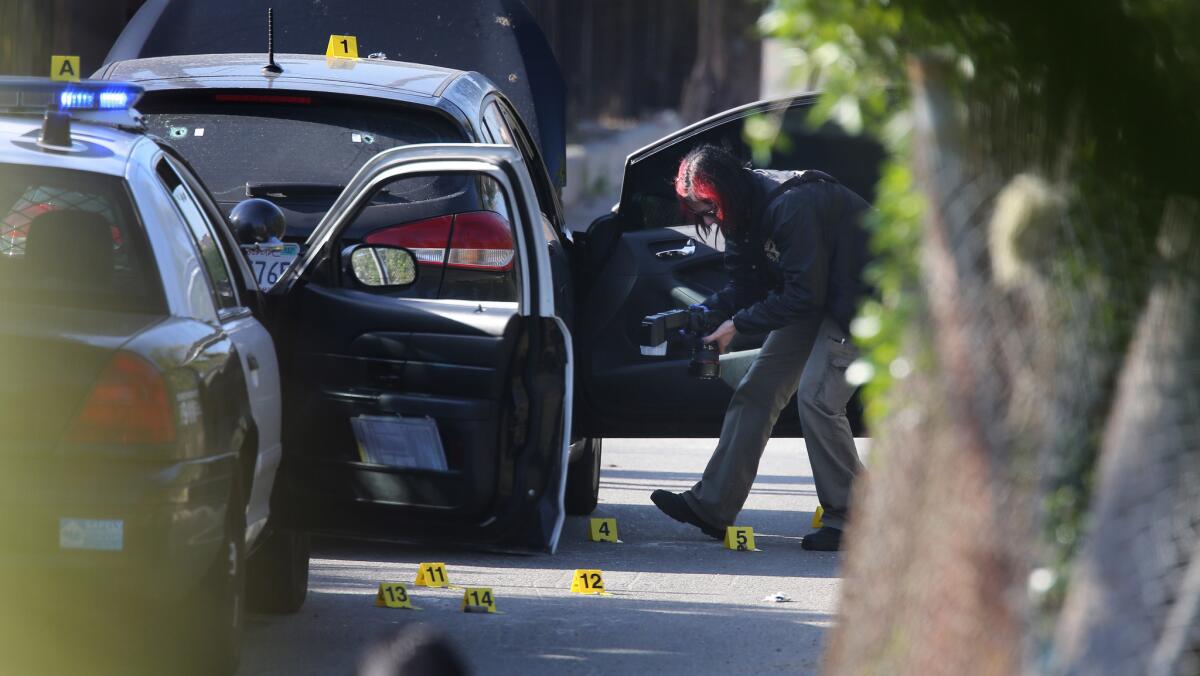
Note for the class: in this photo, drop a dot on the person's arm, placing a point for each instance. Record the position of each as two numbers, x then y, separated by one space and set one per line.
742 288
804 261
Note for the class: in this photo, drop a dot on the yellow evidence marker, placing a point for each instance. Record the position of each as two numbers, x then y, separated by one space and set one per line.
64 68
740 539
816 522
588 582
478 599
342 47
604 530
392 595
432 575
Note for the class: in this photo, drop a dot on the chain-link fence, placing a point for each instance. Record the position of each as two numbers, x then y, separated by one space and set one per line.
1134 600
1056 344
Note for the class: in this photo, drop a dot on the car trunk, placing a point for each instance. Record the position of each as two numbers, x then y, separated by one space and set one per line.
49 358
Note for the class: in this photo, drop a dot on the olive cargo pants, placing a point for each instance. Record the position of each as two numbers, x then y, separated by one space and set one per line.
806 358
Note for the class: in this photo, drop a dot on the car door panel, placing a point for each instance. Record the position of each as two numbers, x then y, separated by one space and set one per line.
626 393
257 353
492 376
486 448
256 348
406 358
636 389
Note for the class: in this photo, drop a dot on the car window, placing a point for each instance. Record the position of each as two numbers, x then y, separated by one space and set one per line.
206 237
71 238
463 240
496 125
238 264
285 146
502 130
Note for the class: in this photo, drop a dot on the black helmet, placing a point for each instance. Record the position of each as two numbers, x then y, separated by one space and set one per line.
257 220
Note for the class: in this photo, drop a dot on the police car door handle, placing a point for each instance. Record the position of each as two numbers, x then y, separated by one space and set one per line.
682 252
252 362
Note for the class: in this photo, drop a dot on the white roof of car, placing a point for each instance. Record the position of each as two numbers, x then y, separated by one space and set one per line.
100 148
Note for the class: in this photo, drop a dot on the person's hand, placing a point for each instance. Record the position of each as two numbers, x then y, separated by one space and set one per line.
722 336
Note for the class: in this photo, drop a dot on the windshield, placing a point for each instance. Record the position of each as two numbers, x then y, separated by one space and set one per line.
70 238
286 145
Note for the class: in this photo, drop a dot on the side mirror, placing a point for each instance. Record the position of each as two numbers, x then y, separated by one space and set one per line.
381 267
257 221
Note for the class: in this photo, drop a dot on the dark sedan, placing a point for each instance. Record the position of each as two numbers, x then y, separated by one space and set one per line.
298 138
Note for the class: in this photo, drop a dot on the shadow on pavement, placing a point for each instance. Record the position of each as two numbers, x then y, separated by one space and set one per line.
651 542
571 634
692 477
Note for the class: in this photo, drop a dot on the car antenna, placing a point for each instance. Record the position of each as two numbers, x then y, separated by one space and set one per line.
271 68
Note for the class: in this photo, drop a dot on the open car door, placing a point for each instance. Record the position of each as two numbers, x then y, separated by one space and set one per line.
426 417
647 257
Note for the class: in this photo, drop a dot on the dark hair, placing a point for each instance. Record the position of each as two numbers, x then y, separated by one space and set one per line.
710 172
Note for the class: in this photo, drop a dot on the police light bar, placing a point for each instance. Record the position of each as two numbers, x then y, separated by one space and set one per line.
37 95
83 99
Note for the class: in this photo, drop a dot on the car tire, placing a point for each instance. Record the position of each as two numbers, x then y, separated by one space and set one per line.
278 573
583 480
211 637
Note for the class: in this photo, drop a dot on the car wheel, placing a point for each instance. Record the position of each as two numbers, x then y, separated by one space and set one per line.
583 480
278 573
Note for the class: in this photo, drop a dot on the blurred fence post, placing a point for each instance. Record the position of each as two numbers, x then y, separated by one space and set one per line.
1132 606
932 562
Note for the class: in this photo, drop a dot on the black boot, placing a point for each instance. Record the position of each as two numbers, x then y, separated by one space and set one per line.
827 539
674 506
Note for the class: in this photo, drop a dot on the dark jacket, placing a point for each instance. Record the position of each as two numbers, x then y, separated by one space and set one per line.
803 255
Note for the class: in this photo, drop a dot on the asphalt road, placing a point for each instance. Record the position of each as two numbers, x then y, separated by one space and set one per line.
680 603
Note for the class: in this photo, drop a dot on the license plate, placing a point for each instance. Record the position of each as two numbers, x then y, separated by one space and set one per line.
106 535
269 262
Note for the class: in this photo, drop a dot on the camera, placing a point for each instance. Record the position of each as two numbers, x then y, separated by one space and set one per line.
685 327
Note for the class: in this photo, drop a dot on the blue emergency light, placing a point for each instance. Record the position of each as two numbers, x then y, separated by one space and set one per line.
35 95
93 101
86 99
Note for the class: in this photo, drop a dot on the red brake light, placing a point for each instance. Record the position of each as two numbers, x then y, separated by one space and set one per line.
426 239
127 405
482 240
263 98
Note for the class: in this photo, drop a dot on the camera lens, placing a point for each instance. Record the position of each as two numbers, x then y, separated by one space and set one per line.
706 363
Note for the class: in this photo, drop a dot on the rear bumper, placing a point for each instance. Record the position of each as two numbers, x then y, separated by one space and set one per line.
132 529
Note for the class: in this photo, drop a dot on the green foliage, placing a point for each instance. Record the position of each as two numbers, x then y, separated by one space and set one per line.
854 47
1100 99
882 323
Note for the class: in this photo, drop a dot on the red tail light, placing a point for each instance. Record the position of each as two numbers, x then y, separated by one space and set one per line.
482 241
127 405
426 239
477 240
264 98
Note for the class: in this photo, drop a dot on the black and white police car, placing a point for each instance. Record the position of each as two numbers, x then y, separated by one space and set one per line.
140 423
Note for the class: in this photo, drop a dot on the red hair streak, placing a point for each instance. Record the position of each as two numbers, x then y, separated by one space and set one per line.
699 187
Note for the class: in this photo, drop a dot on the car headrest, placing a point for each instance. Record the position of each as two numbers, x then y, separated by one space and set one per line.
72 246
